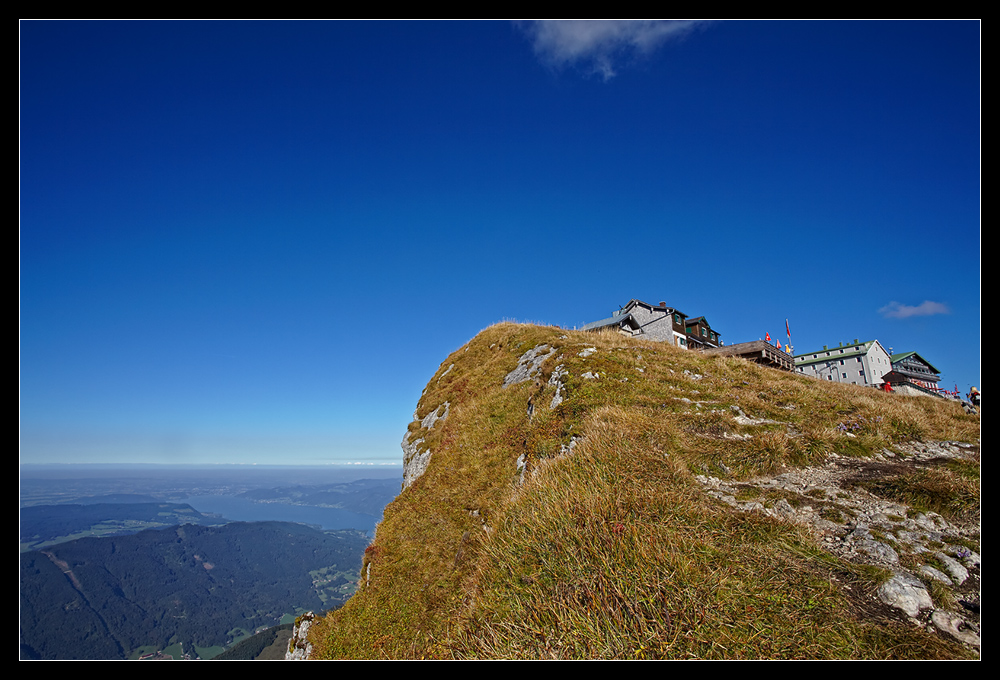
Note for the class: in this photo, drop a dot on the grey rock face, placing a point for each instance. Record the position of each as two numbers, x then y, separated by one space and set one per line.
299 648
522 466
415 461
434 416
957 627
556 379
954 567
905 591
528 365
931 572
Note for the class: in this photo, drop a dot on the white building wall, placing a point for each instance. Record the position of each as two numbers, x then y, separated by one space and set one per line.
842 364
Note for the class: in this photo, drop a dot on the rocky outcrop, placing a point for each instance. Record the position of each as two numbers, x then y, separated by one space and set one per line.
415 461
299 647
918 548
528 365
559 374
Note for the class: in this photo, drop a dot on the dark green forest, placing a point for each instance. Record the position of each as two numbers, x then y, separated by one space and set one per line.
102 598
43 524
268 645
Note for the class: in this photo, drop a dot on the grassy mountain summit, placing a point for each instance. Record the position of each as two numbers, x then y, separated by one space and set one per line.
566 510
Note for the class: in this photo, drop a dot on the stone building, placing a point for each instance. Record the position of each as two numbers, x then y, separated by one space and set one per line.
660 323
700 335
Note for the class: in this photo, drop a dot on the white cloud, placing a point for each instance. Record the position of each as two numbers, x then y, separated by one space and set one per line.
895 310
600 44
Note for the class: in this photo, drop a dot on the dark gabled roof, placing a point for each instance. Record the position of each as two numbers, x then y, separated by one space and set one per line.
702 321
633 302
612 321
903 355
623 315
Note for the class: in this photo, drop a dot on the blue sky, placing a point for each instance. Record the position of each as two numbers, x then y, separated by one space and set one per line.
256 241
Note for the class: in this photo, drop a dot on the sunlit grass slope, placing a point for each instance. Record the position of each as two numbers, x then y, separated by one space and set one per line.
610 549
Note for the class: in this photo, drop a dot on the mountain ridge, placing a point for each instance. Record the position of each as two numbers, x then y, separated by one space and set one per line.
555 506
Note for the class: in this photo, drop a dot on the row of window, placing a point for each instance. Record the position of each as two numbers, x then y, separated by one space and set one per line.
861 374
705 334
840 351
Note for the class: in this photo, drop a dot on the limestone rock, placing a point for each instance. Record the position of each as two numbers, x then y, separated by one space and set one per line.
931 572
528 365
954 567
556 379
433 416
907 592
299 648
956 626
415 462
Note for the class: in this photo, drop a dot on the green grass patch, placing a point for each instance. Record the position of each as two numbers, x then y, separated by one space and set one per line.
209 652
929 490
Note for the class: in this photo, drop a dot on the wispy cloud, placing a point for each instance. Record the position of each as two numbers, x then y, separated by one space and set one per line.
600 45
896 310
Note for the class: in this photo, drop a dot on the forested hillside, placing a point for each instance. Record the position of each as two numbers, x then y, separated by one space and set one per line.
105 598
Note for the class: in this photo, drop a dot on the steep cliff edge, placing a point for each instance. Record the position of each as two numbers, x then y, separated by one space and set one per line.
572 495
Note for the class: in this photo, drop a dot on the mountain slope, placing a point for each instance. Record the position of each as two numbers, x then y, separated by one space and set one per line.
557 507
104 598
